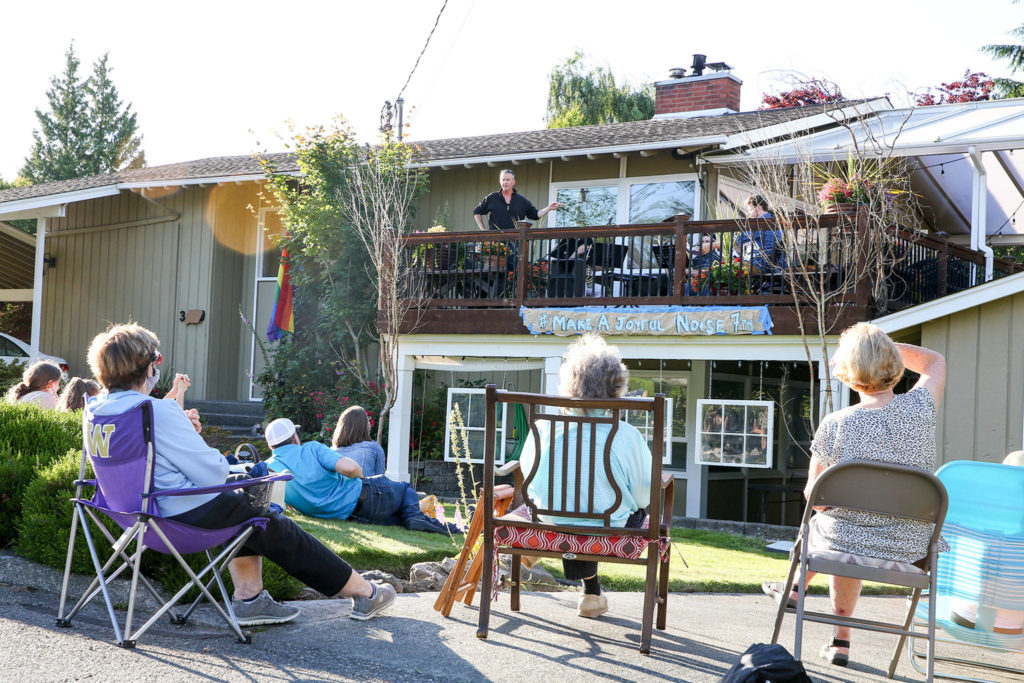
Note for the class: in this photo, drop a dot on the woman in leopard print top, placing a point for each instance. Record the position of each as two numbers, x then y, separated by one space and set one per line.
882 426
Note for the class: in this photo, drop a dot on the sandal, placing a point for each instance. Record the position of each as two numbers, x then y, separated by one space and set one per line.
774 591
829 654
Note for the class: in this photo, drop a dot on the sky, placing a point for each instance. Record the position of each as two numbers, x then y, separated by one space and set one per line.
219 78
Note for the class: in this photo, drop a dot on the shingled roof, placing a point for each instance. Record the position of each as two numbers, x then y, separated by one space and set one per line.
502 145
213 167
651 132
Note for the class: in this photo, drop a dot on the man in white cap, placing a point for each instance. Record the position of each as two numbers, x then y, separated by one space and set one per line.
332 486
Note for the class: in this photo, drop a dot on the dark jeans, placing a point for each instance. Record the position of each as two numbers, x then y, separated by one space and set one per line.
283 541
577 570
395 502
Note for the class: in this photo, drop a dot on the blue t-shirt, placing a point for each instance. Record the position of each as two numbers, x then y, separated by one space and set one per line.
317 489
368 454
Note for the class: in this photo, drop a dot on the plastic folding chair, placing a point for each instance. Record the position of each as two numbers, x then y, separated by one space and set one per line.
120 450
984 569
888 489
517 536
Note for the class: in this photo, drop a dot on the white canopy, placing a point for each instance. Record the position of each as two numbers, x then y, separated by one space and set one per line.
950 147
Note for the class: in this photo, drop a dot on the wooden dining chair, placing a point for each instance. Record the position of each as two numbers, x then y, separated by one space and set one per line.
592 421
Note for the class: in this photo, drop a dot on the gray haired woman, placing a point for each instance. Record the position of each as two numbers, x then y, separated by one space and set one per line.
593 369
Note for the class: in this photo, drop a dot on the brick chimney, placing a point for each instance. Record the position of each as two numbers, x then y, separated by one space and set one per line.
699 94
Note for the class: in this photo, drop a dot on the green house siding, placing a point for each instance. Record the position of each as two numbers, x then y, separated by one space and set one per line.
980 415
125 258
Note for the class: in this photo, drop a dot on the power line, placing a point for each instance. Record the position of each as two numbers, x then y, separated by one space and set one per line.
431 35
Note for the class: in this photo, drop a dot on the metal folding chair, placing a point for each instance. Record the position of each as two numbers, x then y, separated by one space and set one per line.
888 489
119 449
984 568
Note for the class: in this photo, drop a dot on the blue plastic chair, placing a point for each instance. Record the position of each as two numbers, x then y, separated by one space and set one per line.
985 566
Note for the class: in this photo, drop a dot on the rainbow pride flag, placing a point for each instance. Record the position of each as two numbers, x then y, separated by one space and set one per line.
283 318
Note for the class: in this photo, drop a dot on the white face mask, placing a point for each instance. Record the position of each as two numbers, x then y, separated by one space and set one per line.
151 381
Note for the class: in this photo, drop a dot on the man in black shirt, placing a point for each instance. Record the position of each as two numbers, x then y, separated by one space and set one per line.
506 206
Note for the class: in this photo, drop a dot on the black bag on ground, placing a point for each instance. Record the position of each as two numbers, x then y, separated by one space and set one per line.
762 662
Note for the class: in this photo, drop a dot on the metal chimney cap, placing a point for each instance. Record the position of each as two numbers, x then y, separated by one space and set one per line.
677 72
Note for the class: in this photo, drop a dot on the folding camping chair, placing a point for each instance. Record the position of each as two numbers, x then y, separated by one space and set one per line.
984 569
888 489
120 450
517 536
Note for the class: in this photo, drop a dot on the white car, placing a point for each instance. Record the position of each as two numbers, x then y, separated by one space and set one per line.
13 349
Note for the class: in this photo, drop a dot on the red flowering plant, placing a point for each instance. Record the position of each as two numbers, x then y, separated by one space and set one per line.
536 279
860 182
973 87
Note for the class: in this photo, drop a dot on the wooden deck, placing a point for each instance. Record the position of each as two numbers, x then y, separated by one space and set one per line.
473 283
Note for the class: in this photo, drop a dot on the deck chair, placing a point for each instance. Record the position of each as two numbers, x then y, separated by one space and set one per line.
984 568
119 449
517 536
888 489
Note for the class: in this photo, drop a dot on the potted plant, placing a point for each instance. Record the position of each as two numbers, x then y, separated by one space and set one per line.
494 254
436 256
730 277
536 279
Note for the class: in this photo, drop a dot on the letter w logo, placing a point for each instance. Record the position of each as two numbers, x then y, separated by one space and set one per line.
99 440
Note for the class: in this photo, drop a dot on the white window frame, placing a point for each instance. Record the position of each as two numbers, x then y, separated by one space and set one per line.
499 457
622 199
666 451
769 433
257 279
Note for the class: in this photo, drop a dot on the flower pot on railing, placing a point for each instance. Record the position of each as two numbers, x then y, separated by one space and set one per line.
438 257
496 262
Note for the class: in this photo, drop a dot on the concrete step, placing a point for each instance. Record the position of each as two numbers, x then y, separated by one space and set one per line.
254 408
230 419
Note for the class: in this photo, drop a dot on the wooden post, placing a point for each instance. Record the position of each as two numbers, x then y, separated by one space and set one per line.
522 264
681 257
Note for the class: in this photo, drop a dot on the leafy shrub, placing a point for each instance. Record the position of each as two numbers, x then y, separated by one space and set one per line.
30 438
16 471
10 374
32 430
46 522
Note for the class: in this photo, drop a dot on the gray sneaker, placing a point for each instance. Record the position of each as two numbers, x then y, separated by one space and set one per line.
367 608
263 610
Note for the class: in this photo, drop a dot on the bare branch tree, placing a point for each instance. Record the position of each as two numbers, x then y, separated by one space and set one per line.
377 202
826 265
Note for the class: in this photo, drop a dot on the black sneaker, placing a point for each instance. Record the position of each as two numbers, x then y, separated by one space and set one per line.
367 608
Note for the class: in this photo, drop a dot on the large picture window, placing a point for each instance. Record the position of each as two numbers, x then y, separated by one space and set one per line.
472 404
736 433
622 201
643 420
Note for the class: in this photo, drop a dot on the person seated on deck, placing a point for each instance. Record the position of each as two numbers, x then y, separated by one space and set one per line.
763 250
329 485
701 261
124 359
592 369
352 440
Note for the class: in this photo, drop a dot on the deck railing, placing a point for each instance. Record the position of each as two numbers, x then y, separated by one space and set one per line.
652 264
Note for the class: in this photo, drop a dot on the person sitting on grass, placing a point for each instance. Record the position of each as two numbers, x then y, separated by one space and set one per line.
592 369
329 485
39 384
76 393
124 359
352 440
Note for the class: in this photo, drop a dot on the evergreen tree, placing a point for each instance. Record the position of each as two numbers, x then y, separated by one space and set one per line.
61 144
581 97
1014 54
87 129
114 145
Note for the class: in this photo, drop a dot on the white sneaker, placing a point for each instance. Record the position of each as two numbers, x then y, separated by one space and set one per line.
592 606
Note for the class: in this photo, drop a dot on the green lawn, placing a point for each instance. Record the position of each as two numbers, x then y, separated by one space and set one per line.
718 562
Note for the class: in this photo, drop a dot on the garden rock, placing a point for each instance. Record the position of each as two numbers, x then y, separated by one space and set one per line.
427 576
384 577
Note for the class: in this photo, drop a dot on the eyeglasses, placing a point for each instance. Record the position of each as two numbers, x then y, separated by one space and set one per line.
158 359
